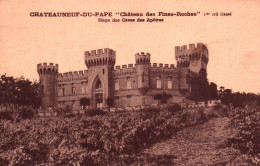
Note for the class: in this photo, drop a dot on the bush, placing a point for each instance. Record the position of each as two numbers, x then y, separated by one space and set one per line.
174 108
247 140
217 107
94 140
5 115
26 113
63 110
93 112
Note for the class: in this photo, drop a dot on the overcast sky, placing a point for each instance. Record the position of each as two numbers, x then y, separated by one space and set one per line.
233 42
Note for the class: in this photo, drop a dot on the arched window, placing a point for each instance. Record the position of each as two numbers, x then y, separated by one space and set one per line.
143 77
98 84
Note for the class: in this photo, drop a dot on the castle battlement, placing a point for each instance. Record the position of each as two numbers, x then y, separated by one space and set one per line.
100 57
163 68
142 58
183 49
184 56
46 65
124 67
72 75
45 68
154 65
142 54
99 52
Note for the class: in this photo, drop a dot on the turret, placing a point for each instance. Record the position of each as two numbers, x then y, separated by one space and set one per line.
191 63
47 74
100 57
142 68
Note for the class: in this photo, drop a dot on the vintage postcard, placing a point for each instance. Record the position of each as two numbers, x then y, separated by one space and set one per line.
129 82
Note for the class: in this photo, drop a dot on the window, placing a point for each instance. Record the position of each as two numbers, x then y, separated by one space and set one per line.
98 84
83 88
128 100
158 84
117 86
86 88
73 90
143 77
103 71
128 83
169 84
117 102
63 91
60 92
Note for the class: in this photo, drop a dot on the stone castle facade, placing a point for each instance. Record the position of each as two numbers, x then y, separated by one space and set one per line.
129 85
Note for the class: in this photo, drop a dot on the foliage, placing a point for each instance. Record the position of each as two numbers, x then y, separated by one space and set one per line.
63 110
16 113
5 115
238 99
174 108
213 91
247 140
217 106
26 113
110 101
94 112
162 98
19 91
84 102
95 140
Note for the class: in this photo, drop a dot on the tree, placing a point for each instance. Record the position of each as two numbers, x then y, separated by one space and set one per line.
158 97
19 91
84 102
110 102
213 91
227 96
165 98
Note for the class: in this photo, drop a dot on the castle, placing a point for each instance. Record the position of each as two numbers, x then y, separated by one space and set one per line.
129 85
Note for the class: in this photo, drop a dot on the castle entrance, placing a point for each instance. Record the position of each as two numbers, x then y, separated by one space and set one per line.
98 95
99 100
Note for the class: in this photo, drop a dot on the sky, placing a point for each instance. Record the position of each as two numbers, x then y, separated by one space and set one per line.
233 41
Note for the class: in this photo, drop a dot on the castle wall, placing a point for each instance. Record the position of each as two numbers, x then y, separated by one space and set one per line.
124 96
129 85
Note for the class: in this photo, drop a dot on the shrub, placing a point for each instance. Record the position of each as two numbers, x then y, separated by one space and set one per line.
93 112
89 140
63 110
5 115
247 140
174 108
26 113
217 107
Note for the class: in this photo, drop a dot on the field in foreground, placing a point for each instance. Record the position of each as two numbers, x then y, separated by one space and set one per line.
126 138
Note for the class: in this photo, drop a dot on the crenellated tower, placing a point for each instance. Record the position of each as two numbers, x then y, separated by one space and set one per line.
191 63
142 67
100 64
47 74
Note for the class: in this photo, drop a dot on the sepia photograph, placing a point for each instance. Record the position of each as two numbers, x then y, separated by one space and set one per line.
86 83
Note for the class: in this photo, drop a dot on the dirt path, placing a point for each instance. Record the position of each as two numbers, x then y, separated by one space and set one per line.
200 145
